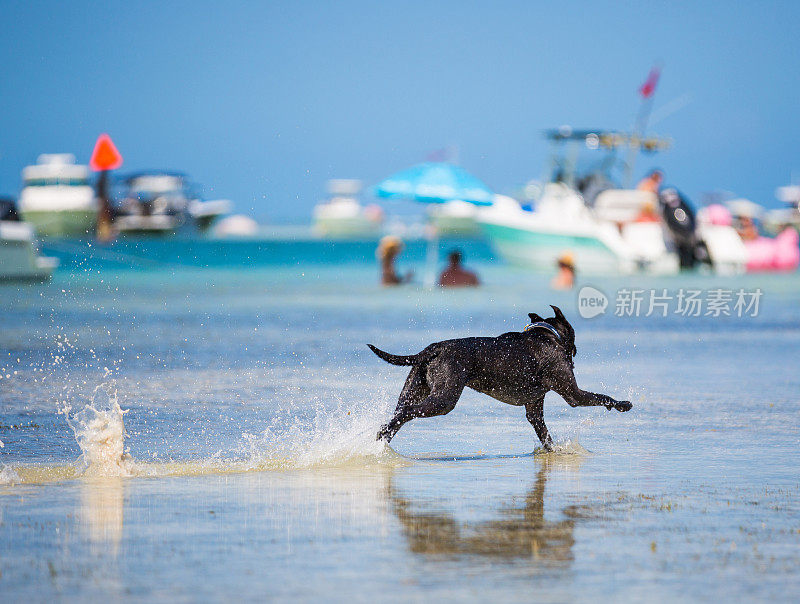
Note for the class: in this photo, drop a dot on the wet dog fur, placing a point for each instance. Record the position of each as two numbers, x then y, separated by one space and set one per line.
517 368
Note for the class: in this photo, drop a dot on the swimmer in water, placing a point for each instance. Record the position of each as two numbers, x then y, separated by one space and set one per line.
388 250
565 278
455 275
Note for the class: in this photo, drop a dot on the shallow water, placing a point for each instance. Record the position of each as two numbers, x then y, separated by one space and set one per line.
187 433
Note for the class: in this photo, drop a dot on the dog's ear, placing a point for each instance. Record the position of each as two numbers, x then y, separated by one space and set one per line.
559 314
534 317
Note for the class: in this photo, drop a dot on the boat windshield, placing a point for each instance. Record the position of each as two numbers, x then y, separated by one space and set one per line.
57 181
590 160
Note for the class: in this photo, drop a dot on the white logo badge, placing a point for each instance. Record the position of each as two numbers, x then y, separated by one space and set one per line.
591 302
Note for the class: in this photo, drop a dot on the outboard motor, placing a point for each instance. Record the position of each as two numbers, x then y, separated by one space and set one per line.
682 224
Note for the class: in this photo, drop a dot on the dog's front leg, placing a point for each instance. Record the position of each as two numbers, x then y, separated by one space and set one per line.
583 398
562 380
534 412
576 397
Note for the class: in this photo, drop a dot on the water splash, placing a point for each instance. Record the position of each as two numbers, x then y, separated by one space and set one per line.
304 436
341 436
8 476
100 432
567 447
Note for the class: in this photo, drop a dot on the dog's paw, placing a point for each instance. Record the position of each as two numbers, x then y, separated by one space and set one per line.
623 406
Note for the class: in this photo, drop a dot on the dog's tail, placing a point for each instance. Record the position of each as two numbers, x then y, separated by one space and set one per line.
393 358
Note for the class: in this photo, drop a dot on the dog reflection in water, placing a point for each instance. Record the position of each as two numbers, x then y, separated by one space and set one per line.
519 532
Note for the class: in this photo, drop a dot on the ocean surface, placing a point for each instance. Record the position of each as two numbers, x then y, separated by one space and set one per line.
195 421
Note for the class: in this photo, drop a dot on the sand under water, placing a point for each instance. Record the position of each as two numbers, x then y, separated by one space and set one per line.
206 435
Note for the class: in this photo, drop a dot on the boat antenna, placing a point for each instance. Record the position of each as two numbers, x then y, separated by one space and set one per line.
646 91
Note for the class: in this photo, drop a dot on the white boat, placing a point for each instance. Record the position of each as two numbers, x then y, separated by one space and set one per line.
789 215
238 225
19 253
343 216
601 224
57 197
562 222
164 203
455 219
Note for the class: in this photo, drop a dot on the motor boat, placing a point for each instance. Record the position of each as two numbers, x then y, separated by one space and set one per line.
57 198
342 215
164 203
606 228
19 251
455 219
562 222
236 226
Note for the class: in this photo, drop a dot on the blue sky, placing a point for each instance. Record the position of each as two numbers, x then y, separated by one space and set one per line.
263 102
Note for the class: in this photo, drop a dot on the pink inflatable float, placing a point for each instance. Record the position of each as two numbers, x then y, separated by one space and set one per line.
779 253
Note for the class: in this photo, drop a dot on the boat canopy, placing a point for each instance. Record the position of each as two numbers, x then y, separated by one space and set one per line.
608 139
790 194
54 169
158 182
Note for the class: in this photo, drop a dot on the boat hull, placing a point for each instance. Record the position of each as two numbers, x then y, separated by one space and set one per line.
455 226
153 225
540 250
346 227
61 223
454 219
19 257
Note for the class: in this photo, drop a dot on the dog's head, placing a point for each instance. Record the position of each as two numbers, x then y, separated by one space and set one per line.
562 326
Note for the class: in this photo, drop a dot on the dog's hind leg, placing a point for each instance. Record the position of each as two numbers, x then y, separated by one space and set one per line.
414 391
534 412
450 383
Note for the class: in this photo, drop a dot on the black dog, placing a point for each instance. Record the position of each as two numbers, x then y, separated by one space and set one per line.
517 368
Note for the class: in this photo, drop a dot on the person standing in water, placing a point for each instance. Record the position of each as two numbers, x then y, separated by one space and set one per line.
648 213
565 278
455 275
652 182
388 250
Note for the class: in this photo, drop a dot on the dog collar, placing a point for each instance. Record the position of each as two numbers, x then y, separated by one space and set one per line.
543 325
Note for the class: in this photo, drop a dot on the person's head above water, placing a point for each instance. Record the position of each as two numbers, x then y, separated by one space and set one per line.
454 257
566 260
389 247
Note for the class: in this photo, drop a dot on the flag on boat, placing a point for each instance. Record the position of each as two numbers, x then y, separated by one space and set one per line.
649 87
439 155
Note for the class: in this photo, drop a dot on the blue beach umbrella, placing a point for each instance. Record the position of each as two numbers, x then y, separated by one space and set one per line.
434 182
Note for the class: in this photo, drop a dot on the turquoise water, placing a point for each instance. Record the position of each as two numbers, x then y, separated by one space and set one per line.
244 465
